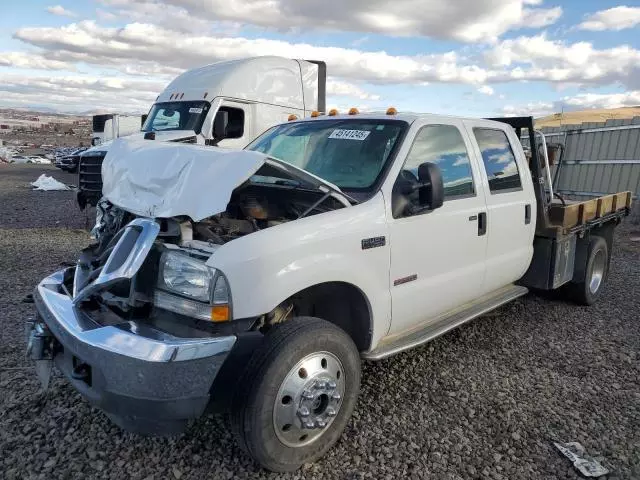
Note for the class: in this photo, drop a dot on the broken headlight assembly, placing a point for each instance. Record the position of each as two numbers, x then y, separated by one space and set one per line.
186 285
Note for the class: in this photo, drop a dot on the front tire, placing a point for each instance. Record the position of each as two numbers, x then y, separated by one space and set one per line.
588 288
297 394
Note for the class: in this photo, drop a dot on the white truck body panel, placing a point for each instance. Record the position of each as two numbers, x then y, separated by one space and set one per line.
267 267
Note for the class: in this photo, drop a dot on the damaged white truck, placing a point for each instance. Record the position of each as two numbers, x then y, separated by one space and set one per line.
257 280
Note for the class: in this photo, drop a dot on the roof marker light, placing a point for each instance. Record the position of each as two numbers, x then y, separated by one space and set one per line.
333 112
315 114
292 117
353 111
392 111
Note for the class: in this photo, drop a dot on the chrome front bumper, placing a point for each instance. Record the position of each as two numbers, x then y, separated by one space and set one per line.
145 380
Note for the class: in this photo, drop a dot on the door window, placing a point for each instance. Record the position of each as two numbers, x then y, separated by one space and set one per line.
235 127
499 160
444 146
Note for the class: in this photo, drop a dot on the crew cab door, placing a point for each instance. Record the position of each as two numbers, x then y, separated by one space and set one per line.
438 257
511 207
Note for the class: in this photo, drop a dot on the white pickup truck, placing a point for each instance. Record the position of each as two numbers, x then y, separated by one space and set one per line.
262 277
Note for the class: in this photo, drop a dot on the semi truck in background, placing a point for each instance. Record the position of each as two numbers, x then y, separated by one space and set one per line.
109 126
225 104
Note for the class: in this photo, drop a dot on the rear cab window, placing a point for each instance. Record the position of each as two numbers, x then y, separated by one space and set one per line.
498 159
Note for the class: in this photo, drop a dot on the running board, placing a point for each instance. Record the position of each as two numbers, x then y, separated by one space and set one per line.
441 326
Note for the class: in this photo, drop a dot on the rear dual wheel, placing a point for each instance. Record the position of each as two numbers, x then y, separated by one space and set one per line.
297 394
587 289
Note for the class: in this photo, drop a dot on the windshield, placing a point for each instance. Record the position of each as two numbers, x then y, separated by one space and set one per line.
176 116
349 153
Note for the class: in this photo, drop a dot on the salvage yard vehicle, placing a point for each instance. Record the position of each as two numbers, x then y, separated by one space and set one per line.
257 280
226 104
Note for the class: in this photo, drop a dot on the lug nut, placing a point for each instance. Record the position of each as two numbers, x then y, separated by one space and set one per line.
331 385
303 411
321 423
331 411
336 396
310 425
308 395
321 384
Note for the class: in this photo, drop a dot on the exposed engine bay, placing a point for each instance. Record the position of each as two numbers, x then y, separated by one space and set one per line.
256 207
252 207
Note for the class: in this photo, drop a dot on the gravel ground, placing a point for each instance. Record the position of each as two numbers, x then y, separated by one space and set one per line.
484 401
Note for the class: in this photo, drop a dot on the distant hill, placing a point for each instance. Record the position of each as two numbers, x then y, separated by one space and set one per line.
596 115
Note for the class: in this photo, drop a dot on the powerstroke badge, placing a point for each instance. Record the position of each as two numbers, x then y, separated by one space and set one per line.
374 242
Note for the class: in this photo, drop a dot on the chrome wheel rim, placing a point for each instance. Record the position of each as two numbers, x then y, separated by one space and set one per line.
597 272
309 399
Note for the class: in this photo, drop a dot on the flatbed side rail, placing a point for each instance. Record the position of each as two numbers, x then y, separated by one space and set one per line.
582 228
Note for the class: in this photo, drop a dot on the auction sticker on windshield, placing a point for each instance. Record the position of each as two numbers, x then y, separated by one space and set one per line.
195 110
349 134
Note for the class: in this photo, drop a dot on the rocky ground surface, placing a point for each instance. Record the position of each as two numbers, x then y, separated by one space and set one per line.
484 401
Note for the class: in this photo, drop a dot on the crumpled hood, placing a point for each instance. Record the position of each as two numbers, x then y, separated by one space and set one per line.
158 179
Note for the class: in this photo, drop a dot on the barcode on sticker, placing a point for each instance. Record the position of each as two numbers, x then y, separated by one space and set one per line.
195 110
359 135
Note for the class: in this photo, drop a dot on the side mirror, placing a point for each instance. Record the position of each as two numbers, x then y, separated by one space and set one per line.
431 187
220 125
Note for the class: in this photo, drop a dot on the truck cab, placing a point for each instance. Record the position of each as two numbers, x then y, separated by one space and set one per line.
225 104
260 278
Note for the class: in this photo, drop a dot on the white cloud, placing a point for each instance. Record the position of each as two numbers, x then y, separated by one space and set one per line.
145 44
603 100
33 60
617 18
61 11
535 109
340 88
582 101
486 90
78 93
477 21
106 15
539 59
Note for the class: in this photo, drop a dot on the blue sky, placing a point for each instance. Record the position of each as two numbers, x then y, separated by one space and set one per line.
475 58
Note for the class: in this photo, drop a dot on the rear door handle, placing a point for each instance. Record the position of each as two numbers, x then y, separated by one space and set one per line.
482 223
527 214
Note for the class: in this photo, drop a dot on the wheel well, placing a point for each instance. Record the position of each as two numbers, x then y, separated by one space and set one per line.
340 303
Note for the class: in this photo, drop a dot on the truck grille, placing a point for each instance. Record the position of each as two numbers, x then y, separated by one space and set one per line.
90 177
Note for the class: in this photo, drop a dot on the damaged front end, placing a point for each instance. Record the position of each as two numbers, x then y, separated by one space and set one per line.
143 324
149 369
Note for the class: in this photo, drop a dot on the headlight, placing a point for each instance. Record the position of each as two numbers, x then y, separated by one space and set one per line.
186 276
206 288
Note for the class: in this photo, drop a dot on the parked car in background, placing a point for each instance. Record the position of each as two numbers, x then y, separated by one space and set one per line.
68 160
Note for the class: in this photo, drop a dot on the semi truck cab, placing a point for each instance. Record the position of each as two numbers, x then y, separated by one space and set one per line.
225 104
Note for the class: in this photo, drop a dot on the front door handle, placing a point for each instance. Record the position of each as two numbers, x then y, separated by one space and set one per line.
482 223
527 214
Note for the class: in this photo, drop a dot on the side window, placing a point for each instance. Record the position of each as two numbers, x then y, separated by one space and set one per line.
235 129
444 146
499 161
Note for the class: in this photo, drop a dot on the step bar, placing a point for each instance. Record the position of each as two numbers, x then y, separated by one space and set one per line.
414 338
